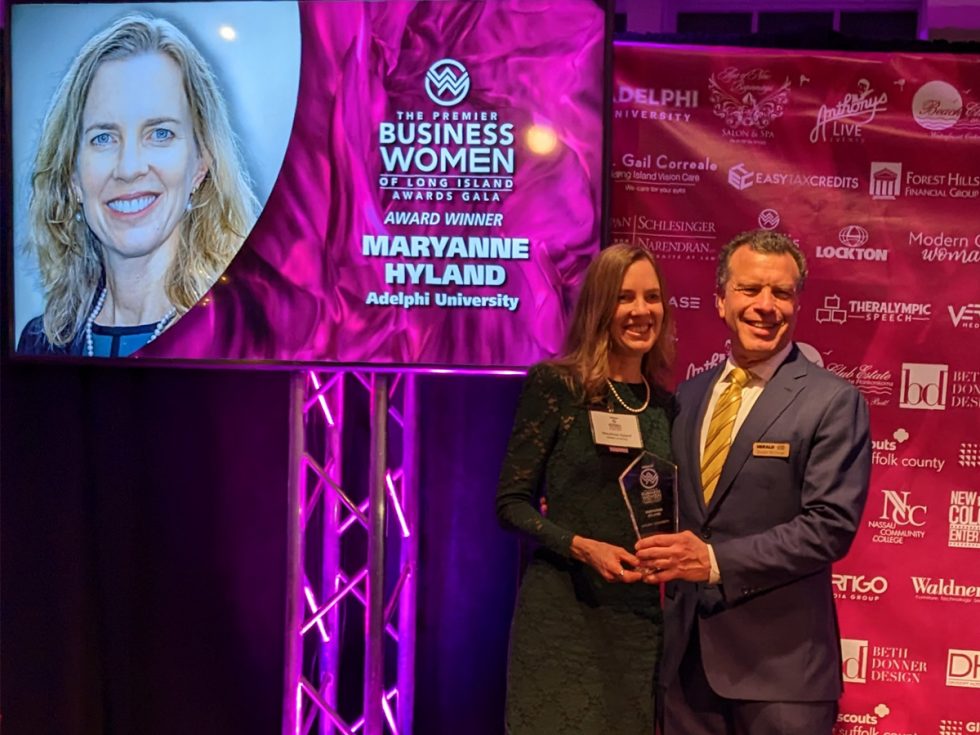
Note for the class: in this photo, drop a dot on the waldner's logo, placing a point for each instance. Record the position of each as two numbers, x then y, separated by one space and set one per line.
447 82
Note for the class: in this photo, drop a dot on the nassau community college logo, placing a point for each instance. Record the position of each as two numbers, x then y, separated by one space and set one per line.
447 82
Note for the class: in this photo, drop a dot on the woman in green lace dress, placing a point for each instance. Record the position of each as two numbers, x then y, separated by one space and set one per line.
587 633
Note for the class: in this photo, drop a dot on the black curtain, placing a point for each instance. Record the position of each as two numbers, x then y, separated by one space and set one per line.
143 550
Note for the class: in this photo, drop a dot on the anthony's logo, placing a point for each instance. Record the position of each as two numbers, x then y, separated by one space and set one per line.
447 82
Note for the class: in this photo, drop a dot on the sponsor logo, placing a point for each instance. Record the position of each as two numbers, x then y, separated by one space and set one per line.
937 106
685 302
667 239
447 82
852 240
843 122
966 316
952 184
647 103
943 248
944 589
714 360
446 155
748 102
963 668
768 219
661 174
741 178
964 519
876 385
834 311
863 662
859 588
854 655
884 454
965 389
860 723
886 180
958 727
924 386
969 454
810 353
901 519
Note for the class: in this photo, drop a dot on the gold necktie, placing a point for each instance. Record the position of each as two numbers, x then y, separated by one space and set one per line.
720 431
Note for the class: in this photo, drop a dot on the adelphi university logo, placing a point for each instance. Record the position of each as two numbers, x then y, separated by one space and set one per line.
447 82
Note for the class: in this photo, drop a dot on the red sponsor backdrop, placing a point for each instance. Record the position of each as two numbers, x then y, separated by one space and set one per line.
871 162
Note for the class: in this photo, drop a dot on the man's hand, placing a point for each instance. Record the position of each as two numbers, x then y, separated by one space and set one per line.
614 563
670 556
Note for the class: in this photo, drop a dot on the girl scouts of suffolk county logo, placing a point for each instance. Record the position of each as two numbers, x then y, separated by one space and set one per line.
447 82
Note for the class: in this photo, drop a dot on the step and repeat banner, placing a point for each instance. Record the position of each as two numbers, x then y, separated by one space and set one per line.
870 163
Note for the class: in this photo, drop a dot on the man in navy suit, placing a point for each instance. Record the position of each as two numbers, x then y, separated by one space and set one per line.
774 456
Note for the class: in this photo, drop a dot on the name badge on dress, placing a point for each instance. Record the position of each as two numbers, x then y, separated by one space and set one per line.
617 431
770 449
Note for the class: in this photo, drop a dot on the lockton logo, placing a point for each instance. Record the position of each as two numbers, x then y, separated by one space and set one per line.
966 316
854 660
852 239
768 218
937 106
853 236
969 454
963 668
886 180
964 519
447 82
924 386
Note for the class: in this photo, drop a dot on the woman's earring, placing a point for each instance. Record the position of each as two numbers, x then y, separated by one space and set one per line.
78 215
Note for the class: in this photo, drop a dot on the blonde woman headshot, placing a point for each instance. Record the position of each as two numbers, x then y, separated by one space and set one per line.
139 198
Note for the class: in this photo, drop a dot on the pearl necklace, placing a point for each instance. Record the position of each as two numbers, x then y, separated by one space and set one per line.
90 341
619 398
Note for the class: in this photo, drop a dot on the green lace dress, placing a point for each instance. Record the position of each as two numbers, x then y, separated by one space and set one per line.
583 651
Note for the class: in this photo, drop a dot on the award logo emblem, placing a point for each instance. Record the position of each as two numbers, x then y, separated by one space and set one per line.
649 487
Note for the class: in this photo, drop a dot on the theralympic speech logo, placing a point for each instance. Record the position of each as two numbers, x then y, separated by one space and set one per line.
447 82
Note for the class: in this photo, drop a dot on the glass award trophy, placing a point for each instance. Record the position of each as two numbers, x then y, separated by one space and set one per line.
649 486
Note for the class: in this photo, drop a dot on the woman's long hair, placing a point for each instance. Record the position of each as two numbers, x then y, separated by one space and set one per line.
223 207
585 360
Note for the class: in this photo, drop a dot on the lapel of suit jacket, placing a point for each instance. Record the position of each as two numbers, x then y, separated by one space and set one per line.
779 393
693 443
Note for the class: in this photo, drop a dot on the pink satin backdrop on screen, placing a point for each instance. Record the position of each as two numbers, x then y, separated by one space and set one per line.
871 162
299 288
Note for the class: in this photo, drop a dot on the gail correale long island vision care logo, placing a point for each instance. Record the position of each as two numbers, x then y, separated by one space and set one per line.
444 151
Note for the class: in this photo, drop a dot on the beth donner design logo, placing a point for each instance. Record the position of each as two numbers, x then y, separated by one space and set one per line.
924 386
447 82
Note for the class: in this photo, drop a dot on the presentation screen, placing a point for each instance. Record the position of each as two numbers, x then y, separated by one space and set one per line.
396 184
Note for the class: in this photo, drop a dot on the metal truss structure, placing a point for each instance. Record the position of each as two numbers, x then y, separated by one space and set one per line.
353 553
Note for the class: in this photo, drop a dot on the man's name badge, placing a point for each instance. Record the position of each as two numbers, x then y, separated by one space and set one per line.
770 449
617 431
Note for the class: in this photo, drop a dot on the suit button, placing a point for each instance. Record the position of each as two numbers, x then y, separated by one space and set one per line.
706 533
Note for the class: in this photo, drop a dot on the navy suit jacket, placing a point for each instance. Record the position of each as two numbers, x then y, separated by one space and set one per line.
768 631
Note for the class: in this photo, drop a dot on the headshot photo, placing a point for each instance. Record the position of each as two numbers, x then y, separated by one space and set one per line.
142 158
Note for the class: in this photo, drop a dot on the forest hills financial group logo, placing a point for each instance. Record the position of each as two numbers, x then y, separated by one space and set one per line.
447 82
